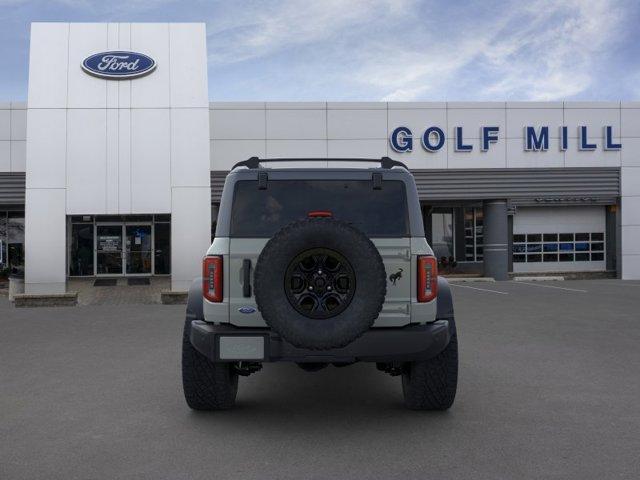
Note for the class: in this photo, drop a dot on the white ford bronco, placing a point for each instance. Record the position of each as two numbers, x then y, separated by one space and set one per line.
320 266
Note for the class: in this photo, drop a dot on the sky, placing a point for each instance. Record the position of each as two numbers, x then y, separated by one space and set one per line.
359 50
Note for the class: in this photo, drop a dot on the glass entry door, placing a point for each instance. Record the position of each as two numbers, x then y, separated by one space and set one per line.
109 255
442 241
138 249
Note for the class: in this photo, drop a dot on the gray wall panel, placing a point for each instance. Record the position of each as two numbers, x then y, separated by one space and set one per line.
12 189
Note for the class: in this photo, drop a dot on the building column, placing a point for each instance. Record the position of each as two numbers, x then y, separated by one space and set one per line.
45 241
190 234
496 239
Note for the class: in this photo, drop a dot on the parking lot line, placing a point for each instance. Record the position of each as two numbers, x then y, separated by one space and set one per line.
537 284
476 288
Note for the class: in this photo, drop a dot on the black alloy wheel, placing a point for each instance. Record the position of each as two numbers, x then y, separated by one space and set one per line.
320 283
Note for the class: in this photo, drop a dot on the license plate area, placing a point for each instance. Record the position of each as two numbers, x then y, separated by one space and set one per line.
232 348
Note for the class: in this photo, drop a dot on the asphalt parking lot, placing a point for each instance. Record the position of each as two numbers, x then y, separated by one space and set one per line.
549 388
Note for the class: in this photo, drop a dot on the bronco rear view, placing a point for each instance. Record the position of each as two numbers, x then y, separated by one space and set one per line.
320 266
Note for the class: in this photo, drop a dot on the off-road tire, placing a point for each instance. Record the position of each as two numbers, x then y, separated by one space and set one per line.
207 385
365 305
432 384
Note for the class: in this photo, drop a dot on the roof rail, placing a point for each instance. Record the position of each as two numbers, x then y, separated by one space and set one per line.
385 162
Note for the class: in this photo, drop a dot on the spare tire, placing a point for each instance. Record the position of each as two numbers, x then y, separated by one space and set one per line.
320 283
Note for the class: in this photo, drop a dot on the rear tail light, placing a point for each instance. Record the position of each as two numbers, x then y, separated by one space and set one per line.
320 214
427 278
212 278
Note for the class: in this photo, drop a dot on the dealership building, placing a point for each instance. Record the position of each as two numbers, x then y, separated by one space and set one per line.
114 165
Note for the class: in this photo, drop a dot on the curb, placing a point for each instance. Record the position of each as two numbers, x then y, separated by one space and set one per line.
22 300
549 278
173 298
469 279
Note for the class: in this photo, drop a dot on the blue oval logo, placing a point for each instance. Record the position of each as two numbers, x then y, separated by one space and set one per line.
247 310
118 65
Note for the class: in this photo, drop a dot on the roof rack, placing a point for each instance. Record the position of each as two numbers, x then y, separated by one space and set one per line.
385 162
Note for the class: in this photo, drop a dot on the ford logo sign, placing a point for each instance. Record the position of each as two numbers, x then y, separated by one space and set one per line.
118 65
247 310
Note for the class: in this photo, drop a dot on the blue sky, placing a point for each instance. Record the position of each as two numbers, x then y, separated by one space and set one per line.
378 49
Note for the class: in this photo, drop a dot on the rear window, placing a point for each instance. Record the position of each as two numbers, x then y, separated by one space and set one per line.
377 213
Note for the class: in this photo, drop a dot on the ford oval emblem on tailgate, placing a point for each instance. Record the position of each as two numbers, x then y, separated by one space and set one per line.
247 310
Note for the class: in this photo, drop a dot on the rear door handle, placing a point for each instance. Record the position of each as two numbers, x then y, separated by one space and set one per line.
246 278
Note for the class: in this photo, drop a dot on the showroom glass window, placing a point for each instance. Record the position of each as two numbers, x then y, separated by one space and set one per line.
559 247
162 244
442 233
473 234
4 261
81 251
15 241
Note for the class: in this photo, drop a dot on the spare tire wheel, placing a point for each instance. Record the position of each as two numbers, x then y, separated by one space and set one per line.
320 283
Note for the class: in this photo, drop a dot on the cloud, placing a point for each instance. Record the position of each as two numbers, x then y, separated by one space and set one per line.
409 50
270 27
546 51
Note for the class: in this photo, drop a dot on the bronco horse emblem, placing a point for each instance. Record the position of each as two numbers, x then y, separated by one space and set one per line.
394 277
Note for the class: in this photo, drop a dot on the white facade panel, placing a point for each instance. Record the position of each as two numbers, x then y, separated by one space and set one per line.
630 153
519 118
296 124
45 241
631 245
190 147
417 120
153 90
630 181
226 153
48 62
18 124
559 219
357 148
415 105
86 161
188 51
5 124
494 157
473 119
630 211
238 124
5 156
111 164
112 44
150 160
296 148
124 86
47 150
124 160
420 158
596 158
518 157
190 233
18 156
356 124
592 118
86 91
630 122
291 105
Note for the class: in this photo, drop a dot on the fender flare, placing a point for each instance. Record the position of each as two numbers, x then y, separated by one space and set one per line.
445 300
195 309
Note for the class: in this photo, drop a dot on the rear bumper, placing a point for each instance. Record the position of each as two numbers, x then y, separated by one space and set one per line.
410 343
